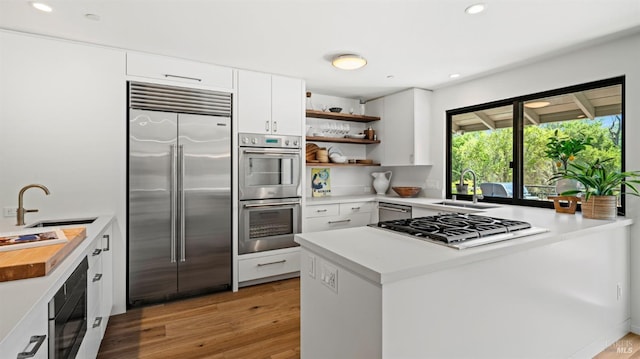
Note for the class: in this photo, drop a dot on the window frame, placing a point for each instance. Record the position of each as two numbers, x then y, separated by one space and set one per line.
518 140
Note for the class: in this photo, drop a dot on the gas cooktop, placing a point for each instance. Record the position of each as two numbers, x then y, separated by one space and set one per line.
460 231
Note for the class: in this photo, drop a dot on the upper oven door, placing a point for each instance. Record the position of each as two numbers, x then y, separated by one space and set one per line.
269 173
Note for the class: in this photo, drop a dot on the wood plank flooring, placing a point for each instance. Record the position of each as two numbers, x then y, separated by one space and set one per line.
256 322
261 321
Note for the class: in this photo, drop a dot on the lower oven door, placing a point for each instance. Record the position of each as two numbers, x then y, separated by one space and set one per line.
268 224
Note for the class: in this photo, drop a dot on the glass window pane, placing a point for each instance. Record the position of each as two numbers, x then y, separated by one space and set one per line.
571 119
483 142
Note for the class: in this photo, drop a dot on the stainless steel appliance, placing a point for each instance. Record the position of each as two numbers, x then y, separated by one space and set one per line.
68 315
269 166
461 231
269 192
392 211
179 228
268 224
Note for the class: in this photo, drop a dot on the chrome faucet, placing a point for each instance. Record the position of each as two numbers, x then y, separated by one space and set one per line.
475 197
21 211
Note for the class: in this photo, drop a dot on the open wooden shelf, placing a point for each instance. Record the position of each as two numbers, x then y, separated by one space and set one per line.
341 116
331 164
341 140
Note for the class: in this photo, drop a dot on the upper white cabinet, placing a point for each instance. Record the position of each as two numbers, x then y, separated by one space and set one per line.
405 130
270 104
178 70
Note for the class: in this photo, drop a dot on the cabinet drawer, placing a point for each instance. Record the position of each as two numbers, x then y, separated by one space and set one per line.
337 222
19 340
171 69
267 266
323 210
356 207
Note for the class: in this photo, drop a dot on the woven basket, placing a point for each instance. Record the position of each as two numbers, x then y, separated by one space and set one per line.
600 207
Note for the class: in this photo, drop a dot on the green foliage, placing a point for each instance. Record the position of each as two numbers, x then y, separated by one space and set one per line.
597 180
564 149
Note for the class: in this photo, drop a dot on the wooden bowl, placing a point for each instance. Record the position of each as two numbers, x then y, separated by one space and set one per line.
406 191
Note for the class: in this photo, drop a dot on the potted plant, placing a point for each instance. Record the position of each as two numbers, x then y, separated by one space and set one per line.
562 150
601 187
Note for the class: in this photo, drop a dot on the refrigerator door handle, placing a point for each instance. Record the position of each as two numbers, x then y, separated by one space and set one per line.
172 195
182 205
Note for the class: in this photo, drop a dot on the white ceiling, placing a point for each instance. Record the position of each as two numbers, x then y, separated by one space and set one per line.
419 42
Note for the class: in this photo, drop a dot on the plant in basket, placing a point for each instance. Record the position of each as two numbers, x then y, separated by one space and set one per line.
601 187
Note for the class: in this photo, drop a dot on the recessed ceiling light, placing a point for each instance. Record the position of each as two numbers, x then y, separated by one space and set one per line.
475 9
390 76
93 17
42 7
537 104
454 76
348 62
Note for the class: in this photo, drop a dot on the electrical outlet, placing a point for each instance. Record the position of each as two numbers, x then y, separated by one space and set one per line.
329 276
618 291
312 265
9 211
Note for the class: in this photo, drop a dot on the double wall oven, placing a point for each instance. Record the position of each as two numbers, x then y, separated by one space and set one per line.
269 192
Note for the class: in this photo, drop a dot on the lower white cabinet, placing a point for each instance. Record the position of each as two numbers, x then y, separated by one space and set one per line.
322 217
30 336
268 264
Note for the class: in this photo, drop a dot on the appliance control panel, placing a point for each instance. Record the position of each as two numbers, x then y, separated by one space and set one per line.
277 141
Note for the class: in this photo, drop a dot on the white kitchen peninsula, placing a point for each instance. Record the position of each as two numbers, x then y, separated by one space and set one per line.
369 293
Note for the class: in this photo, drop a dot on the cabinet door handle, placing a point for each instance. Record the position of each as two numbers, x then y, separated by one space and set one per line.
355 208
341 221
321 210
275 126
96 252
38 339
183 77
97 322
97 277
108 238
270 263
266 125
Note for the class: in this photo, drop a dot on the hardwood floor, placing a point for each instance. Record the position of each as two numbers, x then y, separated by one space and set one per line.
256 322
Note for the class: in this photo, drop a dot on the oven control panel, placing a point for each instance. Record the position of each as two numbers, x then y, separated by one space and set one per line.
277 141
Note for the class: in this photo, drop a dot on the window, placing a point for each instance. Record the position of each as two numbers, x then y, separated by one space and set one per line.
505 142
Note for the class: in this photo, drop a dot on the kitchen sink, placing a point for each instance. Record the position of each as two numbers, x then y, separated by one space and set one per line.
61 223
464 204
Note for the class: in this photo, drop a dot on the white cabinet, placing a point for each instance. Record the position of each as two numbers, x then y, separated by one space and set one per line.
405 129
322 217
268 264
99 293
178 70
270 104
31 335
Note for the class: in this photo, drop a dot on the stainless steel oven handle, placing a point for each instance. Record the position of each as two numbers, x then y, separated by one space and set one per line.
393 209
270 204
272 153
38 339
172 195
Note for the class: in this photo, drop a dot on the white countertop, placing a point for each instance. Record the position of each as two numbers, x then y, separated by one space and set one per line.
383 257
19 297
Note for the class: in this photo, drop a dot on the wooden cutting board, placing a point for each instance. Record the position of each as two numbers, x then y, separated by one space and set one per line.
38 261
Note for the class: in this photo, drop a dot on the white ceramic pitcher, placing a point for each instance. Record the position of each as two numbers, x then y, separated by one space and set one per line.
381 181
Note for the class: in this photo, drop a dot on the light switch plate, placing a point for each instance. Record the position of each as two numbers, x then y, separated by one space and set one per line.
312 265
9 211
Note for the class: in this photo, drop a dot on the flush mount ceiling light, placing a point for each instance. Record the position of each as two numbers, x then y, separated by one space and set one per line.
93 17
454 76
475 9
348 62
41 6
537 104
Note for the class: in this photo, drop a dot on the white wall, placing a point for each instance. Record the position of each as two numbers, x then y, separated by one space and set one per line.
611 59
62 124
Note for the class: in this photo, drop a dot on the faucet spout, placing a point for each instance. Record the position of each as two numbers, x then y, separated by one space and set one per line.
475 188
21 211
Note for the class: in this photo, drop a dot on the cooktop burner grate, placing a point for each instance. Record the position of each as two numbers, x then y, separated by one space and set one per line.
456 227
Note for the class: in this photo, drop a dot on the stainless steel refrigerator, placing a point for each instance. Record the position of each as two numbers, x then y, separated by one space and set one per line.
179 208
